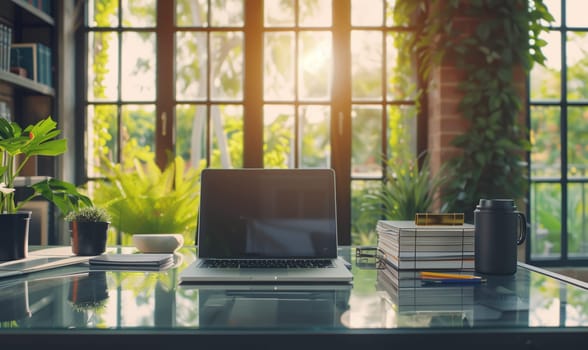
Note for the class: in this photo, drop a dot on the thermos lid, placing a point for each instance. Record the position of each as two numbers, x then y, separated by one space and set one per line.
497 204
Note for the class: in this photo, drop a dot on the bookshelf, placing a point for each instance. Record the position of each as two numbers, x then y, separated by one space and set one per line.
27 94
27 98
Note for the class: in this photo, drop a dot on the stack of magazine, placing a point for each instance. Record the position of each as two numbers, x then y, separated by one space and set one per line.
406 245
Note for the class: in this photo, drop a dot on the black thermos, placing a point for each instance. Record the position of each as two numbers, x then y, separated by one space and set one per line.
499 229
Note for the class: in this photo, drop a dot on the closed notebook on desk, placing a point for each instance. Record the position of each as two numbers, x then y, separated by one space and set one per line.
267 225
132 261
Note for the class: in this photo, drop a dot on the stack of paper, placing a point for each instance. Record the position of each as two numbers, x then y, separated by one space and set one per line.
405 245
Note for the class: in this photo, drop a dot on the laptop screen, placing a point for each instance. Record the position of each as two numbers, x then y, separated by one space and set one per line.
267 213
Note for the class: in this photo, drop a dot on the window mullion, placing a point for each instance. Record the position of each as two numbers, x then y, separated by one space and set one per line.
340 115
165 116
253 81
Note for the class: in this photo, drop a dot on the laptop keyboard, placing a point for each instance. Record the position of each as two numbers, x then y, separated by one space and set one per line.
270 263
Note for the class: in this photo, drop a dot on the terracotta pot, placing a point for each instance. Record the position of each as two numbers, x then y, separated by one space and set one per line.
88 238
14 235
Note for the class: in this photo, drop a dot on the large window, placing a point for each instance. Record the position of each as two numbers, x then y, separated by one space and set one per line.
253 83
559 130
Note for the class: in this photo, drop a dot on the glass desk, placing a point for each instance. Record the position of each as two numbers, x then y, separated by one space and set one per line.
74 305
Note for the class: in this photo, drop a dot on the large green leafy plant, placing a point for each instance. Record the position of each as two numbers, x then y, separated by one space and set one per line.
503 37
144 199
39 139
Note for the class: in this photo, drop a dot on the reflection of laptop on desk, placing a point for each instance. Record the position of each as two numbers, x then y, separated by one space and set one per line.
267 225
260 307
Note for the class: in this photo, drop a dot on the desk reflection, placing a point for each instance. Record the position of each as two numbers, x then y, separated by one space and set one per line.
77 297
500 300
263 306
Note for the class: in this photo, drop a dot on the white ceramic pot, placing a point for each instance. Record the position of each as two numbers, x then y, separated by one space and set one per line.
158 242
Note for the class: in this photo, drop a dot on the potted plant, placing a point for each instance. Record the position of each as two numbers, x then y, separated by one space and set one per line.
88 227
39 139
143 199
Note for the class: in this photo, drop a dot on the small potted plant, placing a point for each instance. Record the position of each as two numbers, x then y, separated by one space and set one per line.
88 227
40 139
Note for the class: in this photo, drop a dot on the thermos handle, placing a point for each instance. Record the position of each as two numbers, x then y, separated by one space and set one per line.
522 224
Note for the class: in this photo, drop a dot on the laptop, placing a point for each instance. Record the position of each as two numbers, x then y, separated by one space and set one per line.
267 225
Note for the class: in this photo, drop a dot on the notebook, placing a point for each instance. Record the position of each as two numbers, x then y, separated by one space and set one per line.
267 225
140 261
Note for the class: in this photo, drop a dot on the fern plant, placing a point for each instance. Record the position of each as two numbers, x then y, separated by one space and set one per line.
407 190
144 199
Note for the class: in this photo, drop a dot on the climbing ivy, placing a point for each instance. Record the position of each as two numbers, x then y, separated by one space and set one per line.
488 41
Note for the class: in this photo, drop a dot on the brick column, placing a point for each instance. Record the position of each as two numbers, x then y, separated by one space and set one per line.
443 98
445 121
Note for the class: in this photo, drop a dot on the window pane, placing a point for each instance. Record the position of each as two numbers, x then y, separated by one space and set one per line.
401 132
577 65
278 136
191 134
315 65
226 150
577 129
366 141
191 68
138 130
401 79
315 13
226 13
102 66
278 13
366 64
545 220
101 136
315 137
546 80
391 13
139 13
191 13
575 13
545 142
577 220
362 221
138 66
103 13
278 77
554 7
367 13
226 65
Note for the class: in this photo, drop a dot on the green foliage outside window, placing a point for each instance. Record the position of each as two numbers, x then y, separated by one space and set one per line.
547 148
505 38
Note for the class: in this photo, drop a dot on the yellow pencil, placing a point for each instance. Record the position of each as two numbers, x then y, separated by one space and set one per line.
428 274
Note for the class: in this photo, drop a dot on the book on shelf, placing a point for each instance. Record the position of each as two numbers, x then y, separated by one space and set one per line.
43 5
406 245
5 43
35 58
